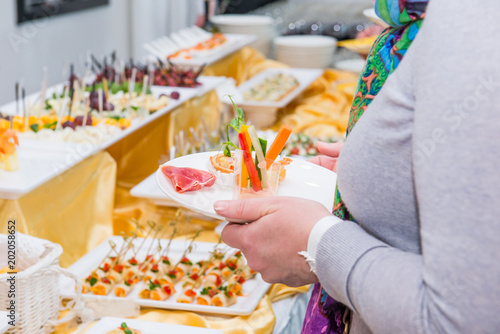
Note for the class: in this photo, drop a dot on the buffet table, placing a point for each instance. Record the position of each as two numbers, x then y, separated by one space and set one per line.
91 200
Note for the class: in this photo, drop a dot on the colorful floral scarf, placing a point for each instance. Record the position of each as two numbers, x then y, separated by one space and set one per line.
405 17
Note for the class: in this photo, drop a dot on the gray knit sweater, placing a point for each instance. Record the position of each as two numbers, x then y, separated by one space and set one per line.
421 175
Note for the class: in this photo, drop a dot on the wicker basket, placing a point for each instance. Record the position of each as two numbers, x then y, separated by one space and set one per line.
38 297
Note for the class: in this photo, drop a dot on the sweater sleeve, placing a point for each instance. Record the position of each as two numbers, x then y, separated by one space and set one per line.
453 285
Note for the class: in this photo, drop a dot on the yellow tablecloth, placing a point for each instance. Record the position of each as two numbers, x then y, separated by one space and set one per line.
74 209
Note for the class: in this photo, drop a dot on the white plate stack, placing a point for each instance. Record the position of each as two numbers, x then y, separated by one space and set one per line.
305 51
261 26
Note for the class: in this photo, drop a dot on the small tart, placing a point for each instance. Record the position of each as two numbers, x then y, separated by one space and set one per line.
222 163
223 168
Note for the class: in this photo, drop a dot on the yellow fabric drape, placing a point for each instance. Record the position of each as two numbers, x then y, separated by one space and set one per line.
74 209
323 109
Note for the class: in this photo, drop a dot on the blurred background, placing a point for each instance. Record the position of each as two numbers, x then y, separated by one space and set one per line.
104 26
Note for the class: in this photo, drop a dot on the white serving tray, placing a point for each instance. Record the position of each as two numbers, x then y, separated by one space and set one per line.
41 160
233 44
107 324
253 290
304 76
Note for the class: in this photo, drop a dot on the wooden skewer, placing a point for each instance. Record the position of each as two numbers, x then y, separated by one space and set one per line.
106 88
44 84
25 110
100 99
17 105
63 107
131 84
189 248
157 230
167 249
144 239
144 90
104 259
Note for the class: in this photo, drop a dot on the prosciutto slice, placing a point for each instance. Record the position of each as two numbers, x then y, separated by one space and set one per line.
188 179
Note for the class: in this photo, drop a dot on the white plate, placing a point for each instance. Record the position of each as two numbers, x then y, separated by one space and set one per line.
253 289
150 189
372 15
107 324
241 20
303 179
305 41
4 322
304 76
233 44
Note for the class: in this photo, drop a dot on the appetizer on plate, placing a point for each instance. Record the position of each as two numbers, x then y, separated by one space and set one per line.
274 88
8 152
216 280
124 329
202 49
188 179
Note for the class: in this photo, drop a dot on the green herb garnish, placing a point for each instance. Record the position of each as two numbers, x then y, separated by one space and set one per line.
50 125
236 124
153 286
93 281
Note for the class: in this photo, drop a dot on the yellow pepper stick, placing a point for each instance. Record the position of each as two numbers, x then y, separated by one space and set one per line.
244 170
278 144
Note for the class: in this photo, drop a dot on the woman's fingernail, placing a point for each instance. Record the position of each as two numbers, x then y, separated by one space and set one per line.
221 206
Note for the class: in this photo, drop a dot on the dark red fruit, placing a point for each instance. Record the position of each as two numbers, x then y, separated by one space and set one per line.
175 95
69 124
79 120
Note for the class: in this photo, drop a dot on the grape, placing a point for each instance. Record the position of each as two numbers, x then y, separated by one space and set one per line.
69 124
79 120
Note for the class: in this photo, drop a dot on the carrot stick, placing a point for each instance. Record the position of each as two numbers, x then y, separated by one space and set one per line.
247 157
278 144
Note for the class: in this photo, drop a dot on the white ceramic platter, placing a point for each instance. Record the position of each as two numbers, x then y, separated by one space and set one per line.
107 324
304 76
253 289
303 179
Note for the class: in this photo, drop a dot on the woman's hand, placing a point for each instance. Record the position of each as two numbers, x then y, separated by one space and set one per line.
270 232
330 153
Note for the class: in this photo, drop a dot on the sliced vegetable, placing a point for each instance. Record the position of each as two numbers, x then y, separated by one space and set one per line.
278 144
259 156
244 171
247 158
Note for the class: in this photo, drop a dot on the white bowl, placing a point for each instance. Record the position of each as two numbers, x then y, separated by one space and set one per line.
241 20
305 41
